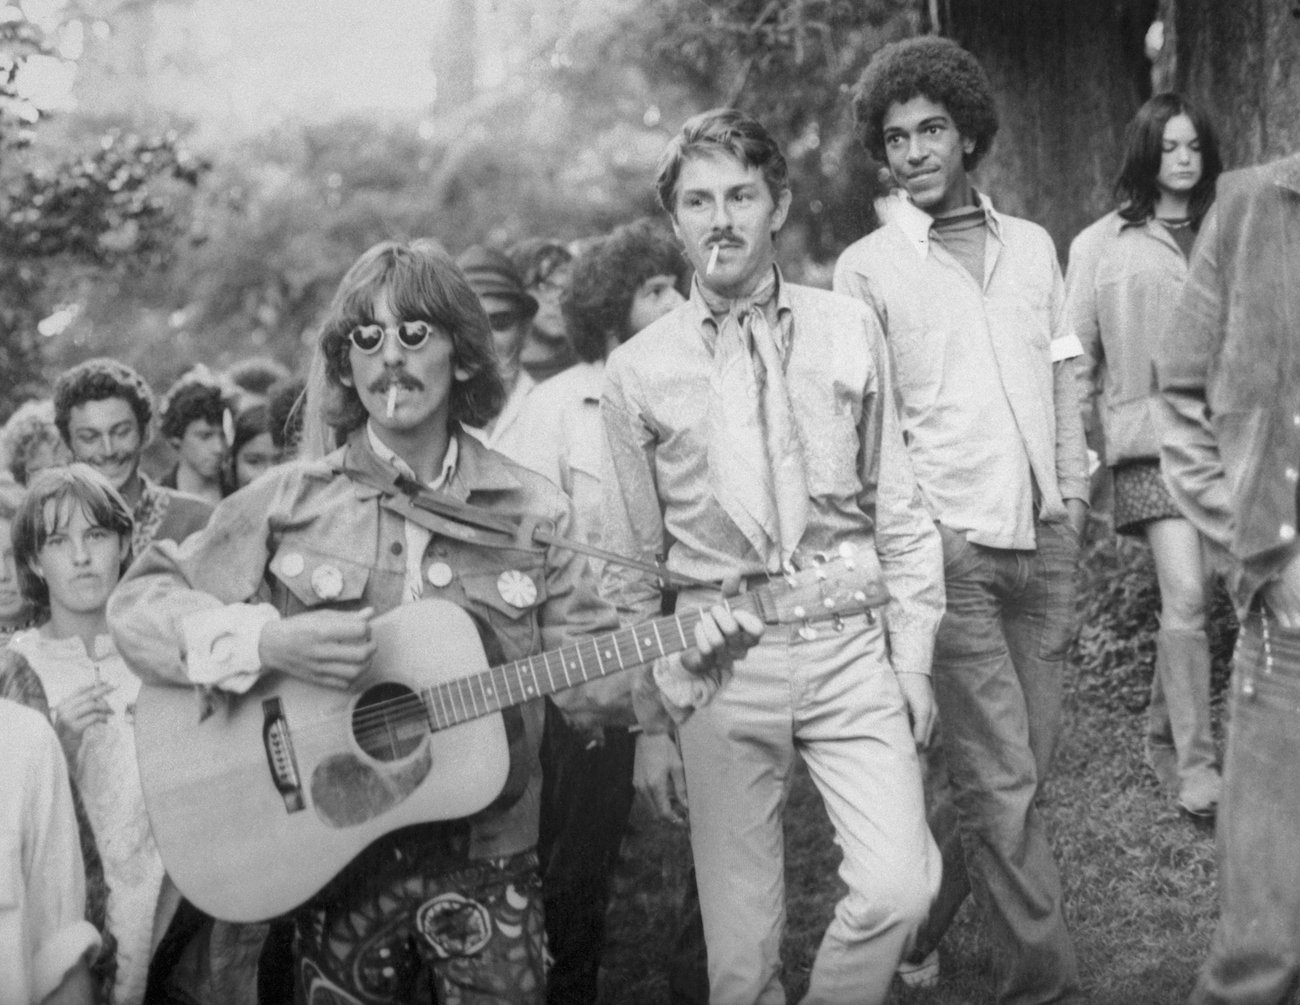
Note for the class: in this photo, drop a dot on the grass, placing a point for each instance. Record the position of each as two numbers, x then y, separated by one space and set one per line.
1139 878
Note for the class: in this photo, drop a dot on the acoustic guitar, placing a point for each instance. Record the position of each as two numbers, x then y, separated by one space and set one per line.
260 804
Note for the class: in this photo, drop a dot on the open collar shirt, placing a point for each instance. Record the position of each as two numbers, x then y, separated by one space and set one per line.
860 483
988 391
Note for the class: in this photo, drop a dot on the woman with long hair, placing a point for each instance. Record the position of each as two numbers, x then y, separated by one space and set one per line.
1125 274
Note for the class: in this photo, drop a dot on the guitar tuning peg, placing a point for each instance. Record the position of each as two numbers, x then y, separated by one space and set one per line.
828 603
821 574
807 632
837 623
860 596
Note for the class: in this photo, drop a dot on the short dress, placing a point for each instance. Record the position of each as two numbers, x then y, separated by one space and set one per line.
1141 496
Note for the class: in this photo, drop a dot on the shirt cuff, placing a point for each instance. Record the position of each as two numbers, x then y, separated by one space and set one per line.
221 645
60 953
681 691
1066 347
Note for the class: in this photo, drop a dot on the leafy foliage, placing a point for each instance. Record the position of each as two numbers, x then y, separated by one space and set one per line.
106 210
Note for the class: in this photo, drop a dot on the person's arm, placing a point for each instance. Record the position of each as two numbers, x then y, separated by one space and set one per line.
907 541
55 878
1081 320
1187 348
1067 398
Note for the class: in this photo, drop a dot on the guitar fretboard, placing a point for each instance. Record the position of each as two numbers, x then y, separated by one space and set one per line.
510 684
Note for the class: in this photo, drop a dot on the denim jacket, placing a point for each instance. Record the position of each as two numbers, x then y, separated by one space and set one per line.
264 543
1120 289
1228 369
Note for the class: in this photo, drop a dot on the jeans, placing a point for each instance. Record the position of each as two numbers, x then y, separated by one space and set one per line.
586 797
998 660
1255 956
835 700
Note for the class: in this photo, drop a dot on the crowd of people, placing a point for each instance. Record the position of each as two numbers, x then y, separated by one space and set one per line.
586 447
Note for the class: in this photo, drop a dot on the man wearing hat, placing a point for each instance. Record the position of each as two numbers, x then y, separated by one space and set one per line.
510 309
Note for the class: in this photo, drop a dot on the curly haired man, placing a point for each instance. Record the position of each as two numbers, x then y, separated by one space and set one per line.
971 302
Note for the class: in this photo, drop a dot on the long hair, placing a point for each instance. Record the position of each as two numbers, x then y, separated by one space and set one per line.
1135 188
421 282
48 505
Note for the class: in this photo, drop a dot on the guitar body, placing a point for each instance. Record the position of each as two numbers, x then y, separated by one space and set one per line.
259 805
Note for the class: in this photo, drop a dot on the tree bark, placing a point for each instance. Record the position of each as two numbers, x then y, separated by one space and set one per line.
1068 75
1241 62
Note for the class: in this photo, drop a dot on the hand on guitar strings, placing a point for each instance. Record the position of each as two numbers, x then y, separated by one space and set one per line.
327 648
722 636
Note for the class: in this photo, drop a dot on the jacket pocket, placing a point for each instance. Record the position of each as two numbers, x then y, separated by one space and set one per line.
312 578
507 601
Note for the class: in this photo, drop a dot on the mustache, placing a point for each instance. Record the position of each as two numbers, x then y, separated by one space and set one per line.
398 379
722 237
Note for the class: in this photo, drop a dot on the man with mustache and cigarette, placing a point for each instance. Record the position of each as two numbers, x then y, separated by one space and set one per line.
972 305
292 568
753 427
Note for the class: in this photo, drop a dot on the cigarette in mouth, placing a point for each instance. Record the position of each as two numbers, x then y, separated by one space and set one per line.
713 260
392 399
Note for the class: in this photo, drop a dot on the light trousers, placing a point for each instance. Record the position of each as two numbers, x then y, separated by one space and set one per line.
834 700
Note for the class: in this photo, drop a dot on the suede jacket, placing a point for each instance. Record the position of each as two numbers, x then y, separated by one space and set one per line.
1228 369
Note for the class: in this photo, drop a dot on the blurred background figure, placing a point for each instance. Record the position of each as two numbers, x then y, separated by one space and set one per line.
546 268
252 450
30 441
1125 275
619 285
510 310
197 417
284 404
16 613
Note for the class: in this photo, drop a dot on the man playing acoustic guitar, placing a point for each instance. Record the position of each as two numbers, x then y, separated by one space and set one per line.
283 587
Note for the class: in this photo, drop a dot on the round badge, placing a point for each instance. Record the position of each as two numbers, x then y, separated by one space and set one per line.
327 581
454 925
439 574
517 588
292 564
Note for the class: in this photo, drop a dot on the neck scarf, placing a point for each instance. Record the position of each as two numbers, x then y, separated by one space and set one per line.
756 465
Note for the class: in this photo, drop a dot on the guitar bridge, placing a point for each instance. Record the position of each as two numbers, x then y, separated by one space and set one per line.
279 755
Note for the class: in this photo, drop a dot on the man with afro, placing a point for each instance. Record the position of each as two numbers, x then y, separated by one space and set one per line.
971 303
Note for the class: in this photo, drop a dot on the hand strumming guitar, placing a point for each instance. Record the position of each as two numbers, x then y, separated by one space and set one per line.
329 648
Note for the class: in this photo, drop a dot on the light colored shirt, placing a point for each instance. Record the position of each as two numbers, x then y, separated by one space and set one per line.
860 484
506 432
559 435
43 931
1121 288
988 392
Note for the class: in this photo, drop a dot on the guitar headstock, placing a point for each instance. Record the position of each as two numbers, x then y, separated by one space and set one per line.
829 587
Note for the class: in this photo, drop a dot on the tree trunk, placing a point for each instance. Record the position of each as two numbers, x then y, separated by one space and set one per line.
1241 61
1068 75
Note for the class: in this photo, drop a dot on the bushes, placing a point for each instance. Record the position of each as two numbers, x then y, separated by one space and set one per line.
1120 610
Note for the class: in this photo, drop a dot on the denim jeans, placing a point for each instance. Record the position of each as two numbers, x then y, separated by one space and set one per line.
1255 956
833 699
997 679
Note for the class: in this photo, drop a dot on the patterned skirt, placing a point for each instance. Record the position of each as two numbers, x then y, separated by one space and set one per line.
1141 497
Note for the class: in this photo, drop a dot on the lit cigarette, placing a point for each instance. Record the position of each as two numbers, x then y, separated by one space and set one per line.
713 260
392 399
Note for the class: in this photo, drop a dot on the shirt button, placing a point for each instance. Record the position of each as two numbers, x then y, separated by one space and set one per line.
395 547
1287 533
439 574
1292 474
292 564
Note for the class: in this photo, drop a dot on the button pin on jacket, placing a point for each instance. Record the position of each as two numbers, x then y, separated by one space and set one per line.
292 564
327 581
517 588
439 574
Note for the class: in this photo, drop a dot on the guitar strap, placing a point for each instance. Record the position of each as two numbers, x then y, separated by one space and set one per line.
446 515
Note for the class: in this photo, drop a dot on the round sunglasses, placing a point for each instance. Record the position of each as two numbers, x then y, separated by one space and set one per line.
411 334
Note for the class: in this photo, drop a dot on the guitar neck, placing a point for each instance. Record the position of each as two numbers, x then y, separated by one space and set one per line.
510 684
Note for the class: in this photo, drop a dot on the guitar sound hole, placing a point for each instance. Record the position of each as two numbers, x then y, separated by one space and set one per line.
389 722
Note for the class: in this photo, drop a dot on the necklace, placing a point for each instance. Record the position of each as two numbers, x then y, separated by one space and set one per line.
1173 224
